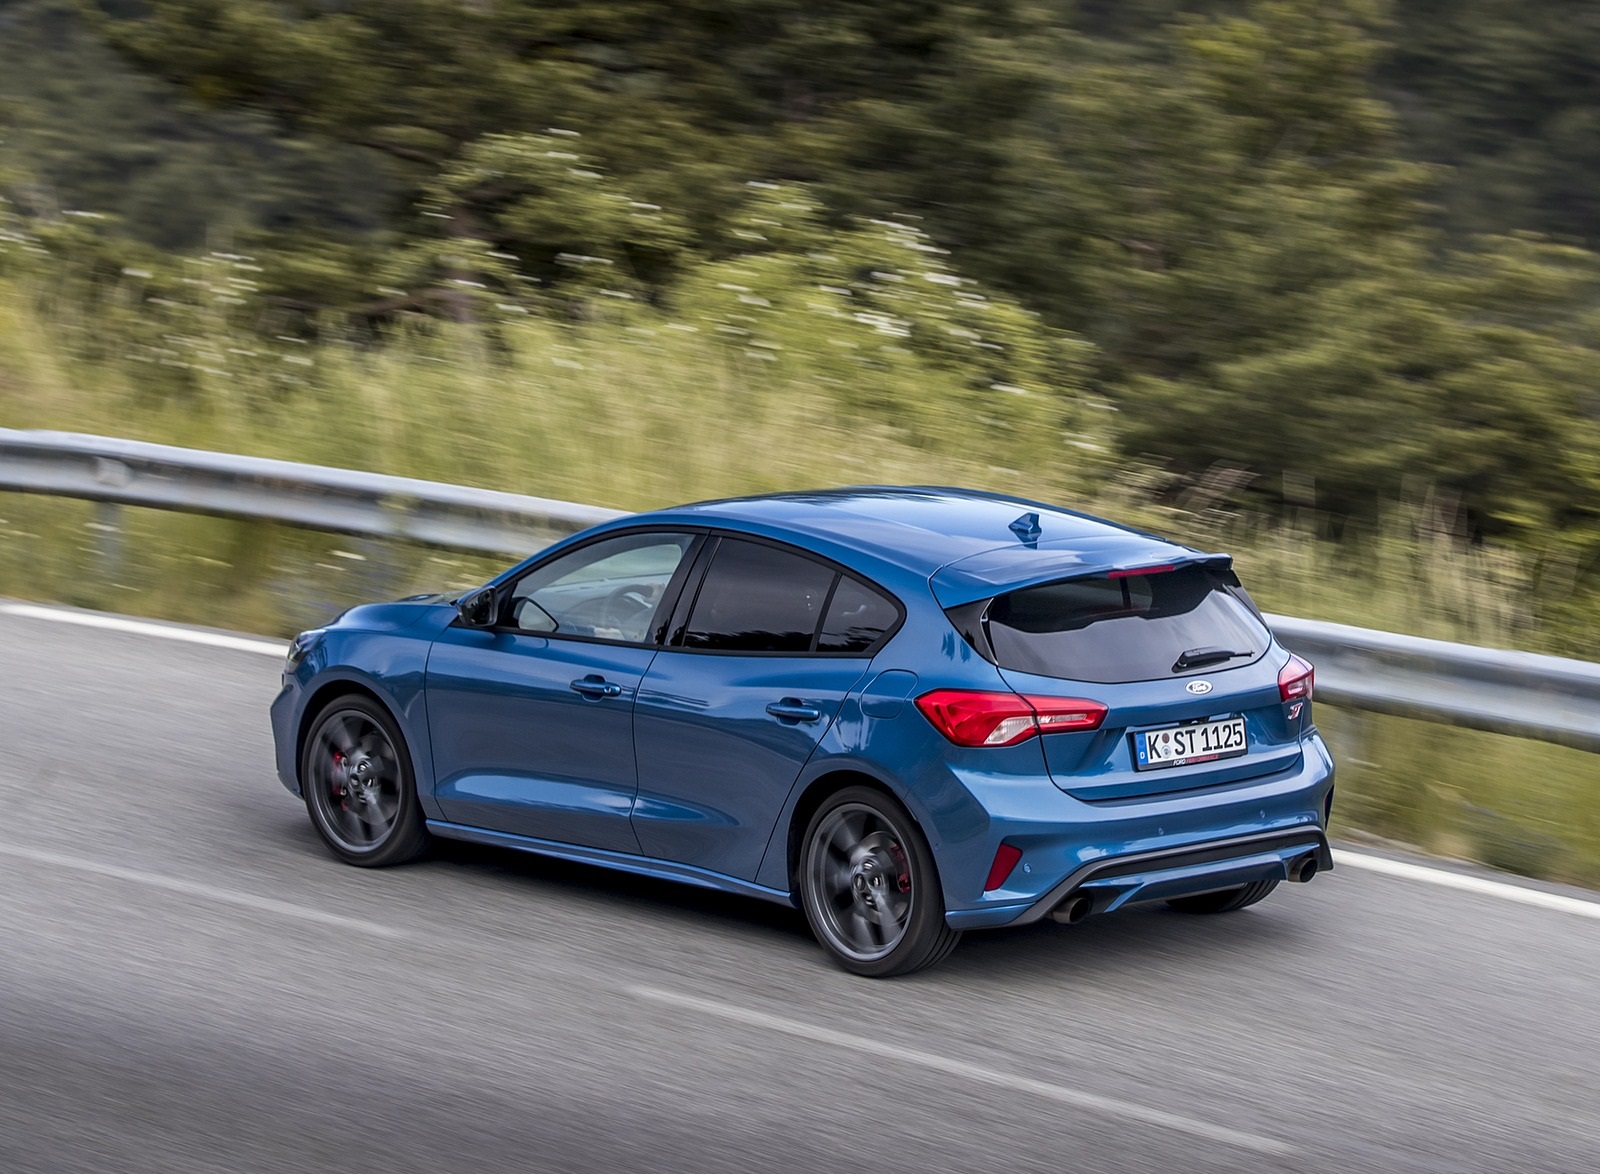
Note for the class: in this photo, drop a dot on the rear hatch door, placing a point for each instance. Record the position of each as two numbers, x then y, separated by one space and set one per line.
1180 657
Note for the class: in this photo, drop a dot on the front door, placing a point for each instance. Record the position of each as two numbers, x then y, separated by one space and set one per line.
532 720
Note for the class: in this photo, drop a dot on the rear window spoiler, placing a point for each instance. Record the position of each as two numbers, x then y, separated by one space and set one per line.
995 572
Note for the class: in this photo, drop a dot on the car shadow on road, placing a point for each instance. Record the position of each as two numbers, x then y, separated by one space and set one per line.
617 891
1103 947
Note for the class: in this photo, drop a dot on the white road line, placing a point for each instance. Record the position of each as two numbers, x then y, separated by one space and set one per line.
87 619
1468 884
1395 868
194 889
1061 1094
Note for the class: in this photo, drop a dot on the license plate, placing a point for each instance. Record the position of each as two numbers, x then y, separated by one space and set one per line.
1183 745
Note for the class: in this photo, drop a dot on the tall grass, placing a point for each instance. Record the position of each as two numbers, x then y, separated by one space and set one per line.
640 411
637 410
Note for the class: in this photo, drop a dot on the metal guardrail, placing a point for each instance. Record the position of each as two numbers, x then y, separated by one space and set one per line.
161 476
1550 698
1526 694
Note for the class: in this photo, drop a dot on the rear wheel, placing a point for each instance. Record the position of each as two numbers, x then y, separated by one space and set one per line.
869 886
1225 901
360 791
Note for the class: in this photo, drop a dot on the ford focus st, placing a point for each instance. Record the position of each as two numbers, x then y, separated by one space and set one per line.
908 712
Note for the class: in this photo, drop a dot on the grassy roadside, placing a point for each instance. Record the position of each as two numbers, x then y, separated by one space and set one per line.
638 413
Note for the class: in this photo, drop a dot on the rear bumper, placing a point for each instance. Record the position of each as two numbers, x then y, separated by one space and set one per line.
1113 882
1116 854
1184 872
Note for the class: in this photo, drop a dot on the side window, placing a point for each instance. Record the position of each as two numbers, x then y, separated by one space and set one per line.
758 598
857 617
608 590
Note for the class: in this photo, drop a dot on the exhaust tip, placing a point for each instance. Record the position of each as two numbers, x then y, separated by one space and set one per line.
1072 910
1304 868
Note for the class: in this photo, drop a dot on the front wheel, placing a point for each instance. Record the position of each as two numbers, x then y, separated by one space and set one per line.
869 887
360 791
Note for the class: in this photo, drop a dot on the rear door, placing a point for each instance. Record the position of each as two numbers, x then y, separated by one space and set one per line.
1181 659
762 659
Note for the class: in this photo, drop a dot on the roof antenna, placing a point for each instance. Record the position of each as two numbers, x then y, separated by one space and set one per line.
1026 528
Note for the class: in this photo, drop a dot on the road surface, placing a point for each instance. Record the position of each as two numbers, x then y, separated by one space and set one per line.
189 982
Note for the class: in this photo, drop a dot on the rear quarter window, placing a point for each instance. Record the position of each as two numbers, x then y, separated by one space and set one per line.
1127 628
857 618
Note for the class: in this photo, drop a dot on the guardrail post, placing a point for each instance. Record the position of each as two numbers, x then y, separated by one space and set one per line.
107 541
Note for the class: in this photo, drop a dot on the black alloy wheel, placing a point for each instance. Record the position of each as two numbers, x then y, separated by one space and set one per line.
359 788
869 887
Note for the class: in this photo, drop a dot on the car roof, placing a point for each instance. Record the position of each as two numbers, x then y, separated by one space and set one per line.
962 540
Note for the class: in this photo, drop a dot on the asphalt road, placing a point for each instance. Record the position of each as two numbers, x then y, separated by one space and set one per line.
188 982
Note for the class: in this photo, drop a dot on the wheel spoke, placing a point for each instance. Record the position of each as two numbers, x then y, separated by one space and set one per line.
838 877
338 736
861 930
878 933
844 844
892 913
383 813
356 832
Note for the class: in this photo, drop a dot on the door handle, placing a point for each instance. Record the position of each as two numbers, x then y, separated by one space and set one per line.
793 710
596 688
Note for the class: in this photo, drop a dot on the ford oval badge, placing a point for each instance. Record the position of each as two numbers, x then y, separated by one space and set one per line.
1198 687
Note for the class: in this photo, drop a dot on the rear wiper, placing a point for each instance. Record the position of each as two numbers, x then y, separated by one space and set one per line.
1196 657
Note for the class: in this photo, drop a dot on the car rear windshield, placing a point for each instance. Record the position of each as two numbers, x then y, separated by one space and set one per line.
1132 627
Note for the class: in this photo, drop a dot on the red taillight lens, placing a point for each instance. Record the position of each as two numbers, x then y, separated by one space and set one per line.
971 718
1067 713
1005 859
1297 680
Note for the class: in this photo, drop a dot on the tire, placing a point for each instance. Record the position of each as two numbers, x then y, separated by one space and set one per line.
869 887
1225 901
367 813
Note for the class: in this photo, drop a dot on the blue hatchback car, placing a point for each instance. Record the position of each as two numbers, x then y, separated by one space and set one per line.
910 712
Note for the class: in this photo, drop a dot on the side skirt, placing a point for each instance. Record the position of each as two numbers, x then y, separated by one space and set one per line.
686 874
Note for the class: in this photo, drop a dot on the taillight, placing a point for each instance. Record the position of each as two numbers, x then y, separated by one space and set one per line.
1297 680
971 718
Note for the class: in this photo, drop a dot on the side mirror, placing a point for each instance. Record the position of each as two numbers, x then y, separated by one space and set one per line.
478 609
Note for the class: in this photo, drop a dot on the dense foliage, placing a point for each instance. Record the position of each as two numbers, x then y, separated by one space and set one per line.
1335 245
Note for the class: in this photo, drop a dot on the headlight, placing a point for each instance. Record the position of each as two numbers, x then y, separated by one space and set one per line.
300 646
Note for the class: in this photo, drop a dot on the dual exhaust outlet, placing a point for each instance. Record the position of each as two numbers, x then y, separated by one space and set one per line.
1072 910
1075 908
1303 868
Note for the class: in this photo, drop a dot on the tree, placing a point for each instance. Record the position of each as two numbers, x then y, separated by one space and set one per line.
683 100
1508 94
1231 223
520 211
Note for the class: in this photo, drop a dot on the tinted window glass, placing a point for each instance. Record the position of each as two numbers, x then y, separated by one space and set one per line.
857 617
609 589
1135 628
758 599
